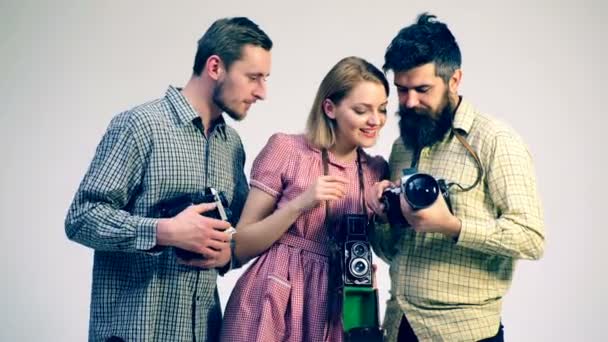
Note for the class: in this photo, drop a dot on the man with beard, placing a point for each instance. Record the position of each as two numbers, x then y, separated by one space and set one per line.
451 268
176 145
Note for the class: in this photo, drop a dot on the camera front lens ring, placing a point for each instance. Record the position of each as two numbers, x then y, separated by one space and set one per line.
359 267
421 190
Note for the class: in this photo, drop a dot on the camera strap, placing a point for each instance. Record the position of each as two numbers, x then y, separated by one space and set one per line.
468 147
333 291
325 157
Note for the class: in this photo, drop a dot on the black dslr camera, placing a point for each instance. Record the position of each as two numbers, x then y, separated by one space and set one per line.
356 252
175 205
420 191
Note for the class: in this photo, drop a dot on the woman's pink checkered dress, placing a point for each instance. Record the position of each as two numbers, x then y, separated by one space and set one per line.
282 296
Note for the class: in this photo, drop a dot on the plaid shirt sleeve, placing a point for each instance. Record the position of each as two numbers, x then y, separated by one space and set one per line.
517 231
384 239
96 218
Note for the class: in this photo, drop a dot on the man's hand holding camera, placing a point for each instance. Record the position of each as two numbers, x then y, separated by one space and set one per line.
436 218
191 231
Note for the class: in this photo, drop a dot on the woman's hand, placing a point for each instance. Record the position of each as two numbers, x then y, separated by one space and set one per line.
325 188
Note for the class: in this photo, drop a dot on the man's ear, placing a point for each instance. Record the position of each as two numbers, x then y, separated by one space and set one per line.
329 108
455 81
214 67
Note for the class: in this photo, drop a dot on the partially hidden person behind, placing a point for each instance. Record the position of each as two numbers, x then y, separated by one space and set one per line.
178 146
283 295
452 262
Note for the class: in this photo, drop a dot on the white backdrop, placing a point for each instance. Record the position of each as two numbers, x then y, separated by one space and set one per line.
68 66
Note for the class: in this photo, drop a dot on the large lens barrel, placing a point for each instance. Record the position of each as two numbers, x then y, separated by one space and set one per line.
421 190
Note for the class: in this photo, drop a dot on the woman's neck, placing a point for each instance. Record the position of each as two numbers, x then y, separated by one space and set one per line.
344 152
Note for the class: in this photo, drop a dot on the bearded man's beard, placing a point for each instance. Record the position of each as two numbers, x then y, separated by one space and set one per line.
420 128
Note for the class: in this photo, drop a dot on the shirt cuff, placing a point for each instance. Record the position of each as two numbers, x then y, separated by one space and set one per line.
232 263
472 235
145 236
256 184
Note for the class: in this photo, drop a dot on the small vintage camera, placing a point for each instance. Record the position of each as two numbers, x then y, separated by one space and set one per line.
420 191
356 251
174 206
360 319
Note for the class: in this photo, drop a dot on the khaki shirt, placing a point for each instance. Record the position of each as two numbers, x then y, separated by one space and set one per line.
451 290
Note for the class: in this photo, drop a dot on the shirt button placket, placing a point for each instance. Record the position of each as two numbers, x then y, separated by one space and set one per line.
423 156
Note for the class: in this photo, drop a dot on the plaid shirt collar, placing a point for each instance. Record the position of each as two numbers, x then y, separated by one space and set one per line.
186 114
464 117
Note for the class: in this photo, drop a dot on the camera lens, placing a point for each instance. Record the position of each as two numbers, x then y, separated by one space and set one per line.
421 190
359 267
359 249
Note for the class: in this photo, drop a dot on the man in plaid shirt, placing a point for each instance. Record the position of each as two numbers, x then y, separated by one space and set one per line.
176 145
450 269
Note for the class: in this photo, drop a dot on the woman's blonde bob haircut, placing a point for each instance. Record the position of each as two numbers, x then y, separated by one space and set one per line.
337 85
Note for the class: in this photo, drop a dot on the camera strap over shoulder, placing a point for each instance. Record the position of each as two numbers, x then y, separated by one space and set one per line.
471 151
325 159
468 147
333 292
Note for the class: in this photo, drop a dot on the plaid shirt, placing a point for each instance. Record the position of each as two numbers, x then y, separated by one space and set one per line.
452 290
151 153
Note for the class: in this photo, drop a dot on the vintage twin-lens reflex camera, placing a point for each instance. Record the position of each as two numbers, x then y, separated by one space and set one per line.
356 251
420 191
360 319
174 206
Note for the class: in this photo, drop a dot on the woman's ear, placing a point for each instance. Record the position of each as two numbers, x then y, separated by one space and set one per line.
329 108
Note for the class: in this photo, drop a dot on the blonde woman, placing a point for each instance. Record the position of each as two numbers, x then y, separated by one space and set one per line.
283 296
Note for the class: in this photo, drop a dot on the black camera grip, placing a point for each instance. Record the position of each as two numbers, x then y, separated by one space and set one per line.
392 208
172 207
